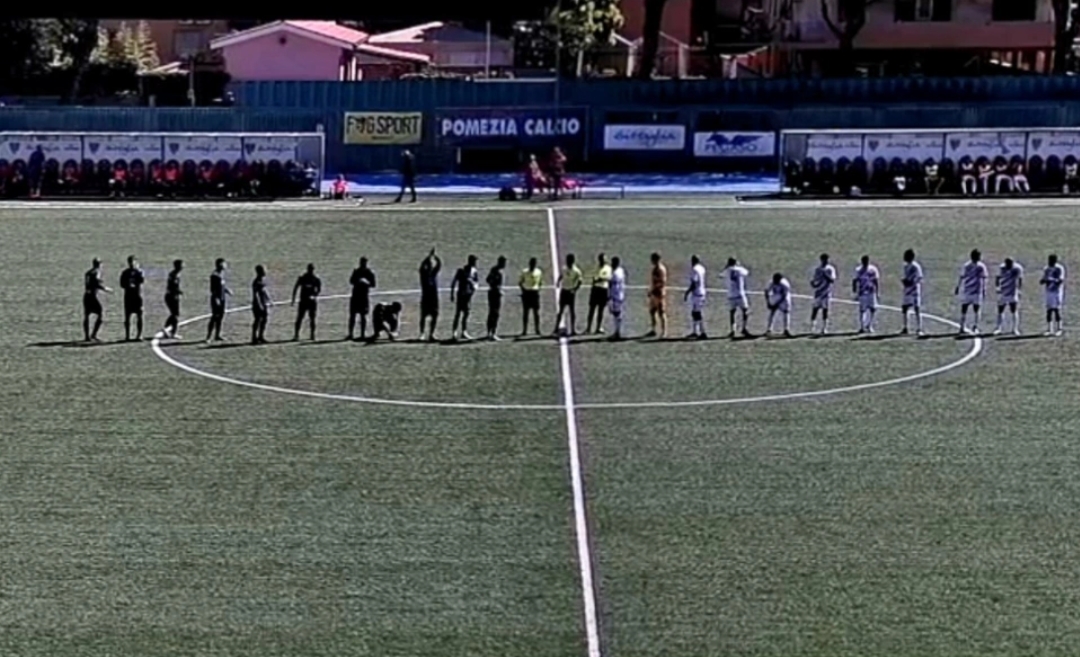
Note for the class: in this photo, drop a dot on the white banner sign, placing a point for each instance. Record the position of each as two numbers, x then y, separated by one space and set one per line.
122 147
919 146
644 137
282 149
202 147
834 146
734 144
1046 144
985 144
55 147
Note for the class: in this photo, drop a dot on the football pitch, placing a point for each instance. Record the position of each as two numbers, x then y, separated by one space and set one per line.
839 496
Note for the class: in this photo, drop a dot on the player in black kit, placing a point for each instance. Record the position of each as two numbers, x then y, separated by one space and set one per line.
131 282
218 292
260 306
466 279
172 300
385 318
495 280
309 286
92 285
362 281
429 293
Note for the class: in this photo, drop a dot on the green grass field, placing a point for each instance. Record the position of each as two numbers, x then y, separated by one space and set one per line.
146 510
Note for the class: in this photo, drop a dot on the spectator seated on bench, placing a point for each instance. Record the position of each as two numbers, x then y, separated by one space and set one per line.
118 180
1018 176
1002 177
339 189
69 180
1071 184
932 177
968 181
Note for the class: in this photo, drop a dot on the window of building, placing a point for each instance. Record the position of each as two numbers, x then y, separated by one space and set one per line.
923 10
1013 10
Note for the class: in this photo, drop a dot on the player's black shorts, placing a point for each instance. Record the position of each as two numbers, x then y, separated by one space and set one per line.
133 304
464 302
567 298
598 297
530 299
495 302
359 305
173 305
309 307
429 304
260 313
217 307
91 304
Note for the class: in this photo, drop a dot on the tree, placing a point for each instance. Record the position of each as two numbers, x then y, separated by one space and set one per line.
1066 30
650 37
25 52
849 21
74 41
577 30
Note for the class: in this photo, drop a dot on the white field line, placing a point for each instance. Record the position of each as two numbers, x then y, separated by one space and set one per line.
577 483
721 202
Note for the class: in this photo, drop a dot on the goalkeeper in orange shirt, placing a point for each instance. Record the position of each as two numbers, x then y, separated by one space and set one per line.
657 297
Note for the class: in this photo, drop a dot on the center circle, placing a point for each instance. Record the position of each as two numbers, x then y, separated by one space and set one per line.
156 345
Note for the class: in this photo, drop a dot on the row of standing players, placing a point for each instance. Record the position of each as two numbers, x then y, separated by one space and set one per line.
607 289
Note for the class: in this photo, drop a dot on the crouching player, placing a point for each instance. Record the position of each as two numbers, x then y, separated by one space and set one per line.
385 318
778 299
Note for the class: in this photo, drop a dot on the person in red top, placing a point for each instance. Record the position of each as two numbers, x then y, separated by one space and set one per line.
535 180
170 179
557 171
118 182
339 188
69 178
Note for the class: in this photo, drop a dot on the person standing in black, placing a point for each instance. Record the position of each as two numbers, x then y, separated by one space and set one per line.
429 293
172 300
464 286
131 282
495 280
260 306
218 292
309 286
92 285
408 175
362 281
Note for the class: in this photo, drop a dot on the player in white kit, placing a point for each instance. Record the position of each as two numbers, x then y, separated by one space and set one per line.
823 282
695 293
778 300
971 288
912 281
1008 282
617 298
865 286
736 275
1054 281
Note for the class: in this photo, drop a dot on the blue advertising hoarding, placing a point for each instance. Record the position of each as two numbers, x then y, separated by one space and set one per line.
540 126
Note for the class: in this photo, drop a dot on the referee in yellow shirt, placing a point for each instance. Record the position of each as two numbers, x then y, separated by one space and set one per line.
569 283
598 295
532 279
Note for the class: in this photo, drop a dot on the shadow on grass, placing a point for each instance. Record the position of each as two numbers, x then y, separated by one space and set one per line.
80 344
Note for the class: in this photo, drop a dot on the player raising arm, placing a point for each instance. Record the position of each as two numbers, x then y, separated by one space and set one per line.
260 306
865 285
912 282
736 275
695 293
1054 281
778 299
1008 282
309 286
92 285
971 288
429 293
823 282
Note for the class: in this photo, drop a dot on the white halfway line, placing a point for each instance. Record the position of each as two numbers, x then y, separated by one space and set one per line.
577 484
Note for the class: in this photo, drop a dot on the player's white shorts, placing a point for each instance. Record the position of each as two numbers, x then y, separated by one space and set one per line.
697 304
615 306
912 299
1054 300
738 302
867 302
1008 299
822 302
971 299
